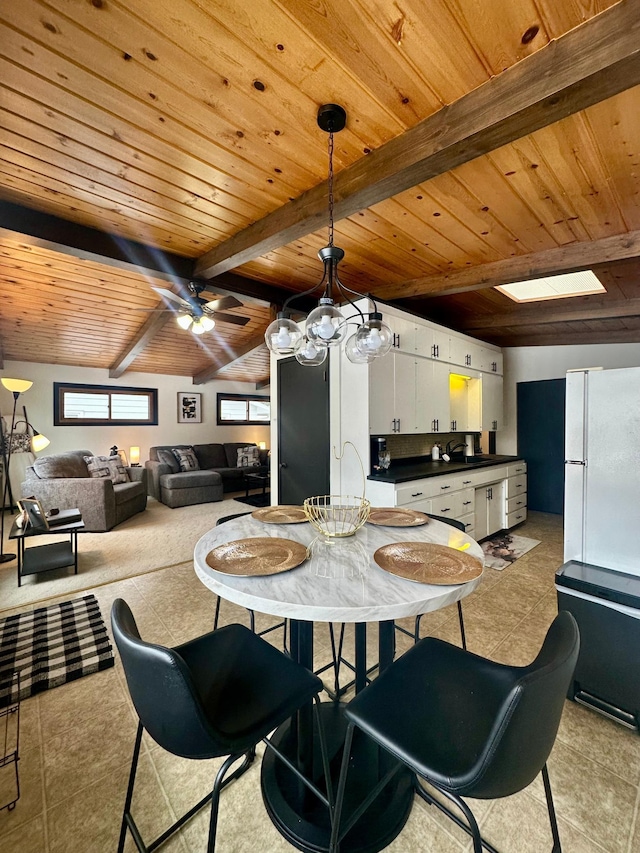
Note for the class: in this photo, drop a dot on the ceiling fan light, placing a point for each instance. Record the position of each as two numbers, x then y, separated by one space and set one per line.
208 322
310 353
282 336
374 337
197 327
325 324
184 320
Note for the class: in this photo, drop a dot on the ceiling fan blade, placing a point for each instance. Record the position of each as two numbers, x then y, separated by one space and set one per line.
223 303
228 318
169 296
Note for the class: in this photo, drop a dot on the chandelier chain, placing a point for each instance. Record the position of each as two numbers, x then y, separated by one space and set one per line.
331 187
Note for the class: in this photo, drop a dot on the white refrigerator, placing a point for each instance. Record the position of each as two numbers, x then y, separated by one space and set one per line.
602 469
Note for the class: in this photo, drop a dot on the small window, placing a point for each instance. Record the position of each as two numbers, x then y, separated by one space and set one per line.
243 409
97 405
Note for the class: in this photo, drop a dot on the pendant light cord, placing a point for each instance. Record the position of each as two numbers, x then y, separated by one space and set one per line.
331 186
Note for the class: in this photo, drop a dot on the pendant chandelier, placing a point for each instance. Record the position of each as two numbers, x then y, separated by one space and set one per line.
326 326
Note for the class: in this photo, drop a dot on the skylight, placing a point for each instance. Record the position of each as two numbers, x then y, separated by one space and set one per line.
553 287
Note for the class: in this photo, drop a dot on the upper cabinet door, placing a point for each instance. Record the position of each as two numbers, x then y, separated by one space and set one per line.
405 392
404 334
381 395
492 407
465 353
491 361
432 396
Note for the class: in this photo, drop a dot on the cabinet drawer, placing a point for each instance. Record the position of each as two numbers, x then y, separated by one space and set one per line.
516 469
417 490
447 505
516 517
516 486
517 503
467 501
469 522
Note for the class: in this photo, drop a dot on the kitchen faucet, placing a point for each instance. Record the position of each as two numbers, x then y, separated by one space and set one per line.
450 449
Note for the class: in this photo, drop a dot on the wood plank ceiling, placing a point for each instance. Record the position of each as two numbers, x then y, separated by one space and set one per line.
486 142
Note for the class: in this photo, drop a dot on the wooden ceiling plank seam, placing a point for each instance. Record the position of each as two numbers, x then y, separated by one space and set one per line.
211 372
590 63
53 202
91 158
77 187
130 121
170 54
571 258
89 54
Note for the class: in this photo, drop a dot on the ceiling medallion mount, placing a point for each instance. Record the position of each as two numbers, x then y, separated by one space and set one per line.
326 326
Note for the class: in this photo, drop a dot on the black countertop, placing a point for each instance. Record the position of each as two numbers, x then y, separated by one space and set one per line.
401 471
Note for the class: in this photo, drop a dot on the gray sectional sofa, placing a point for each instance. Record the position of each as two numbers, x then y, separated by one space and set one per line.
62 480
218 473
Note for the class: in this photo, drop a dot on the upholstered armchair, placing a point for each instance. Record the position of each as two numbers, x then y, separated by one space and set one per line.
63 481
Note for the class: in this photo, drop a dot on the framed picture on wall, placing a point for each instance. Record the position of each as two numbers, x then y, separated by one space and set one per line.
189 408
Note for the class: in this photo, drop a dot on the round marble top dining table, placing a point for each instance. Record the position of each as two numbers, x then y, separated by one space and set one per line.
338 582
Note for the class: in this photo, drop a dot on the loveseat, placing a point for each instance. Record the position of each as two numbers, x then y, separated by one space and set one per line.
63 480
218 472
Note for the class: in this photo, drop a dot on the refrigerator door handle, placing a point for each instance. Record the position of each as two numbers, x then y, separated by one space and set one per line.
575 462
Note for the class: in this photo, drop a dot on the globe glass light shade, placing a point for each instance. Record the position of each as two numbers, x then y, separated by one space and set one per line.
374 337
282 336
198 328
39 442
18 386
184 320
325 324
310 353
354 355
208 322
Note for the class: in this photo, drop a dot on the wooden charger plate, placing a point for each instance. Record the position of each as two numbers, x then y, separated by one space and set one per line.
257 557
426 562
391 516
283 514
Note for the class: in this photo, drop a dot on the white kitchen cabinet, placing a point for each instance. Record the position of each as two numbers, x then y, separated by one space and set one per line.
432 396
392 394
489 509
465 401
492 406
465 353
404 334
491 361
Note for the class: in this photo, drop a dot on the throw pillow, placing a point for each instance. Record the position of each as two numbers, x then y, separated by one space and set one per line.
106 467
248 457
167 457
186 458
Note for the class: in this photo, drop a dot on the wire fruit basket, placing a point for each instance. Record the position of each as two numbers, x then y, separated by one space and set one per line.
337 516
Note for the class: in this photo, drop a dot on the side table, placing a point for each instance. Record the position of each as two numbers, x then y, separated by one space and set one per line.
45 558
255 480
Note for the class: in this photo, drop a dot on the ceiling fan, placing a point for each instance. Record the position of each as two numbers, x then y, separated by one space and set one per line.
196 312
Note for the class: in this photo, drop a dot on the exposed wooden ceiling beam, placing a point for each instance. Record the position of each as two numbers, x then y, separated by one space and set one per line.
264 383
574 256
152 326
212 372
590 336
595 61
551 312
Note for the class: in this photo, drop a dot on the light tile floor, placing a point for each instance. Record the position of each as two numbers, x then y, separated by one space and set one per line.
76 740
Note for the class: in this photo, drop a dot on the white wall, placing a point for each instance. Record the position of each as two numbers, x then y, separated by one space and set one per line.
39 404
529 364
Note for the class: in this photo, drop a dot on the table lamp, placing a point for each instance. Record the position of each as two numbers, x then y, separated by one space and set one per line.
134 457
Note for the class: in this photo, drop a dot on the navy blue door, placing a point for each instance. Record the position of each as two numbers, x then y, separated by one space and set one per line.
541 416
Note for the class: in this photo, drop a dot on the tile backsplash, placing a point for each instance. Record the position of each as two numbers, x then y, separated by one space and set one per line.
404 446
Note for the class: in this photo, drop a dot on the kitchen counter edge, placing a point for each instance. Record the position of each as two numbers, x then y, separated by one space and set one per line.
423 470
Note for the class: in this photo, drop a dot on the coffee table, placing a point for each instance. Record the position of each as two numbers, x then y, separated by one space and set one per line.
50 556
253 480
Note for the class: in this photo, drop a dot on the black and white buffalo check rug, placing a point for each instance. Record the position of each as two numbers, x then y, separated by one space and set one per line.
52 645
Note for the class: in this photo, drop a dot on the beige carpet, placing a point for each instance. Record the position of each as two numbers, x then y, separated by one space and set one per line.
153 539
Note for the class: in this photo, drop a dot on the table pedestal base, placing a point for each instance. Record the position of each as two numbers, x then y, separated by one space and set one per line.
303 820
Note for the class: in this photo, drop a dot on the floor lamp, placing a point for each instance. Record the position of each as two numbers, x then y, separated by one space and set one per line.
17 387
